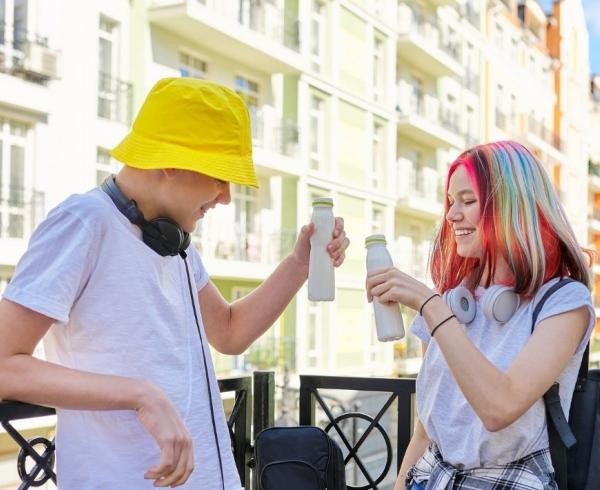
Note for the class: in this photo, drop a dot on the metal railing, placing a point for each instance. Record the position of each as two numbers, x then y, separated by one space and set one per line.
115 98
252 411
548 135
398 389
17 54
262 17
275 134
41 451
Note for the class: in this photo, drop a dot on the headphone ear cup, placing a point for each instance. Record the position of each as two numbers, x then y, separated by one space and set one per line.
187 238
500 303
163 236
461 302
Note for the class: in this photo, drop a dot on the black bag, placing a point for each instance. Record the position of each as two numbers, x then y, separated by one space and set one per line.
575 445
298 458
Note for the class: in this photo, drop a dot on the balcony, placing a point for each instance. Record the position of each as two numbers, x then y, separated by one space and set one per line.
545 139
421 45
275 141
243 254
418 190
254 34
26 65
501 119
422 118
21 210
115 99
472 82
472 15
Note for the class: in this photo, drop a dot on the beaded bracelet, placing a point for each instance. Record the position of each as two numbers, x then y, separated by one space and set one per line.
427 301
441 323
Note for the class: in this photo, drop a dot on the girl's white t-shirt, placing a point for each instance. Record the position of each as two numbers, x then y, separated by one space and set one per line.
447 416
121 309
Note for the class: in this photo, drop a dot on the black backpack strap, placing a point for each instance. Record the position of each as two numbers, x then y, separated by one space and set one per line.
560 435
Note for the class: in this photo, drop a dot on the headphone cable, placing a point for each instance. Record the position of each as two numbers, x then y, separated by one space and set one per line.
212 411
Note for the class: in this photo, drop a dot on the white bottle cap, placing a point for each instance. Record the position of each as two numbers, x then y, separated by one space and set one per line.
373 239
323 201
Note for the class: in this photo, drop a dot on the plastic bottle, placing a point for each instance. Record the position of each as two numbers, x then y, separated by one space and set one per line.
388 319
321 276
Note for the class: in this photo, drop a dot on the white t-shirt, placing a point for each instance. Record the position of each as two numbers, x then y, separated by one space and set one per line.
447 416
120 309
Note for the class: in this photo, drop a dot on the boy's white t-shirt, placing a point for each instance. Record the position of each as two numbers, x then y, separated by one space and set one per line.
121 309
446 414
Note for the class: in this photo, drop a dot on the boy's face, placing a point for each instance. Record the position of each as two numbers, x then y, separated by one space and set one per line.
188 196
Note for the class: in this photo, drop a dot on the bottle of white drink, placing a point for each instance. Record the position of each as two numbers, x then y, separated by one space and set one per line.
321 277
388 318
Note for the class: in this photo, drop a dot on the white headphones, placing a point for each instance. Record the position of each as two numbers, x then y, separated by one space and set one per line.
498 303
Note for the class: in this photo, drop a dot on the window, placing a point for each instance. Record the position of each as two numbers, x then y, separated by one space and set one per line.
513 112
378 69
514 50
191 66
105 165
317 27
249 90
417 97
13 198
499 36
245 222
377 221
378 157
107 69
317 132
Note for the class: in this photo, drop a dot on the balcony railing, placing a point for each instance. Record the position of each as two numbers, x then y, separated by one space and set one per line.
247 246
21 210
27 54
387 434
115 98
262 17
546 134
274 134
412 19
428 107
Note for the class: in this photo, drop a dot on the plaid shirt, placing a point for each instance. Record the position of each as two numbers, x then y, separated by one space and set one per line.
532 472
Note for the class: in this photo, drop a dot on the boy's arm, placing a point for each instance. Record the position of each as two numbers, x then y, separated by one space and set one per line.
231 328
27 379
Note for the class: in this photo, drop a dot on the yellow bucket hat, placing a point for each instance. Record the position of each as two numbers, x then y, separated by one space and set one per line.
191 124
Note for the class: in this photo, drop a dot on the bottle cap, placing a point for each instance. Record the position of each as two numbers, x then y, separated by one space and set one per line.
373 239
323 201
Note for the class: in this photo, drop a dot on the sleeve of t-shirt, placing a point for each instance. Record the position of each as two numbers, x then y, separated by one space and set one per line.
568 298
200 273
56 266
419 328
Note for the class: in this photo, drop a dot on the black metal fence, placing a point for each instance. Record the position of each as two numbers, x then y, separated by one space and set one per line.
251 410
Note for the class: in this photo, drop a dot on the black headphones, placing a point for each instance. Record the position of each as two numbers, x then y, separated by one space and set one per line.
162 235
165 237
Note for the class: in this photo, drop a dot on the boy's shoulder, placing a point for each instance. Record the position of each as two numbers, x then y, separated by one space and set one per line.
92 208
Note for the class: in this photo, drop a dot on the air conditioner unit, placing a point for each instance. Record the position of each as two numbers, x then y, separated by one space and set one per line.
40 60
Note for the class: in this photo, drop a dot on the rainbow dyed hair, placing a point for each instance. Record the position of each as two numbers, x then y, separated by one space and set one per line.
522 220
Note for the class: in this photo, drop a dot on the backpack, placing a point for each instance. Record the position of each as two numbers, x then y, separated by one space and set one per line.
574 445
298 458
